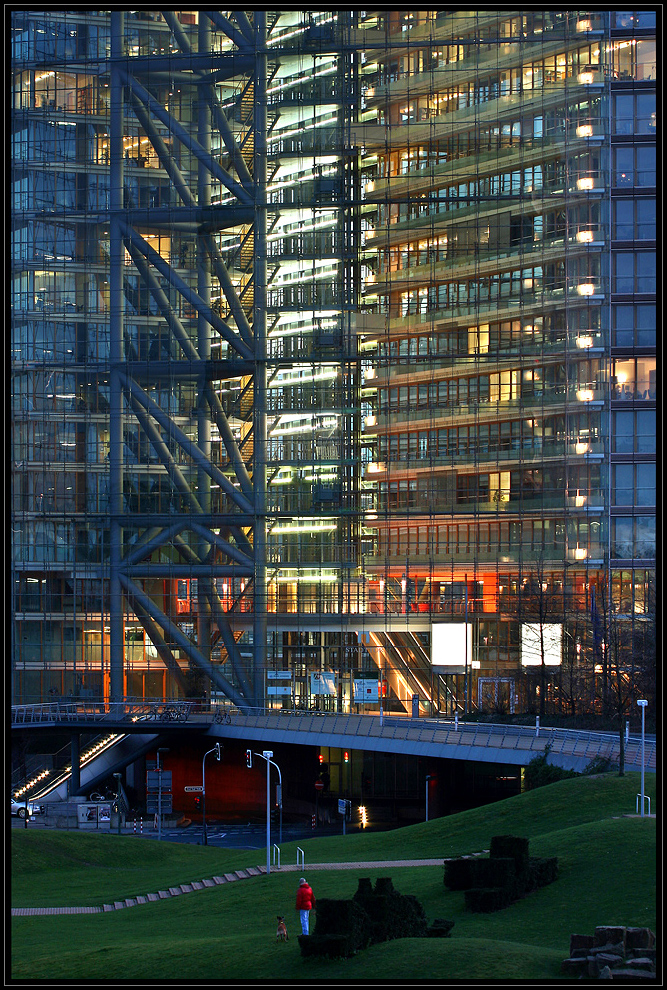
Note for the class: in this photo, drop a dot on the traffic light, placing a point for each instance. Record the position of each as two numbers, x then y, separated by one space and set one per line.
321 758
197 802
248 757
346 757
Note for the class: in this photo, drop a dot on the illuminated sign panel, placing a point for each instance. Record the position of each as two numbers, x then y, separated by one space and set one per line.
448 646
533 642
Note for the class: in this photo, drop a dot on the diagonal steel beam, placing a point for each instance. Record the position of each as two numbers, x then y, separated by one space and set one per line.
191 449
160 447
244 24
227 548
239 37
229 290
183 642
230 443
178 330
191 143
130 235
161 150
155 543
222 622
219 616
157 640
179 34
221 122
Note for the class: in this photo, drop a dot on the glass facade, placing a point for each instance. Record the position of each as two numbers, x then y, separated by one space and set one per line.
333 355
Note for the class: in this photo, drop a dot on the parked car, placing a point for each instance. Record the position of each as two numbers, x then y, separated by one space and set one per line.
19 808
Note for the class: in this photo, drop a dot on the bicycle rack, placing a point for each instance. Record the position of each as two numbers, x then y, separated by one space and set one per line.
300 860
276 849
646 798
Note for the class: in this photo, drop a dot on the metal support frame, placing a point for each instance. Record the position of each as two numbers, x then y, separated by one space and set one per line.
203 548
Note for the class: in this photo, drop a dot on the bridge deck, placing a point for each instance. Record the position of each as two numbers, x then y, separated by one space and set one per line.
440 737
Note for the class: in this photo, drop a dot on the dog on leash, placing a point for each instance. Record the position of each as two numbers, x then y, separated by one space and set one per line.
281 933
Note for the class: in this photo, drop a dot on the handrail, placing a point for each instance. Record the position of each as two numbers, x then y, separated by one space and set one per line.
442 731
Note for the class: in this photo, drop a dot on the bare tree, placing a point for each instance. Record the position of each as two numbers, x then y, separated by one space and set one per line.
628 649
541 612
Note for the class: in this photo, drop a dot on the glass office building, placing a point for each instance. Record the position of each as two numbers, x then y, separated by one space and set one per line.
333 356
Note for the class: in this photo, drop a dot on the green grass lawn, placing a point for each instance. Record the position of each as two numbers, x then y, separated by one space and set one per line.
607 875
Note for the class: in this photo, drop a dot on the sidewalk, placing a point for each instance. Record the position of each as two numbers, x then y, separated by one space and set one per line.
251 871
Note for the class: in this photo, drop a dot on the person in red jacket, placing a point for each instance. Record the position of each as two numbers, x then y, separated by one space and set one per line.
305 903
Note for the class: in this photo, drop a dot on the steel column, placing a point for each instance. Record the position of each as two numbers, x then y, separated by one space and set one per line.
116 306
259 323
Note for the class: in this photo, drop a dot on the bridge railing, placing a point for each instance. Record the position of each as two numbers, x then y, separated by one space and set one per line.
583 744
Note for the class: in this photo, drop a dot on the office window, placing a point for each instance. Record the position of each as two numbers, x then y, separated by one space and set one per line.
634 219
634 272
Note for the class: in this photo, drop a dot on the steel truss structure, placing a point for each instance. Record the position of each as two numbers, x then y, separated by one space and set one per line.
232 535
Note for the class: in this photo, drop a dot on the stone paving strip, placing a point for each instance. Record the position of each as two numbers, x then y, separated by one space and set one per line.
250 871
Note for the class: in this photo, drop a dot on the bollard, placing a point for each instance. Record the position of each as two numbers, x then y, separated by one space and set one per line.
537 725
456 721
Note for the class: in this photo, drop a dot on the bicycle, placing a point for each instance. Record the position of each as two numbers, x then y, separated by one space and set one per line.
221 717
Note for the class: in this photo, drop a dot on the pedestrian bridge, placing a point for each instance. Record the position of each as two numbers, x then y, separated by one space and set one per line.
131 725
452 739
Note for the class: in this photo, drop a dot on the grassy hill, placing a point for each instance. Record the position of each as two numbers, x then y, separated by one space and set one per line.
607 876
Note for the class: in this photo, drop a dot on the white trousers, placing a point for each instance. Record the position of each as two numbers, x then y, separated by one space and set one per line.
304 922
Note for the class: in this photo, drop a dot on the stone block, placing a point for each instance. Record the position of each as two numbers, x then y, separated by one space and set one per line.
575 967
639 938
581 944
610 935
640 962
609 959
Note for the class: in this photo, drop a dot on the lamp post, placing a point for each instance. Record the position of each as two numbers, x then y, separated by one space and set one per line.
216 750
642 704
163 749
267 754
118 777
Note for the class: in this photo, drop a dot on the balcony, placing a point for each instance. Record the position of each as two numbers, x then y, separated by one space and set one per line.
423 178
498 308
490 261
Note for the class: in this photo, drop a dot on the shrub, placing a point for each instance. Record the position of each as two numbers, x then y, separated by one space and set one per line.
392 915
497 871
515 847
342 927
540 772
486 899
458 874
372 915
542 871
440 928
599 764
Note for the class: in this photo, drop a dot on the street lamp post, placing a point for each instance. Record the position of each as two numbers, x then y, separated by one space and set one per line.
267 754
163 749
642 704
118 777
216 750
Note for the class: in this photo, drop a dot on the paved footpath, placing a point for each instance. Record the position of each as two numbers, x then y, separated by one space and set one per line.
251 871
